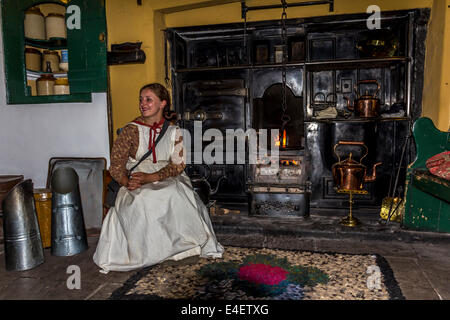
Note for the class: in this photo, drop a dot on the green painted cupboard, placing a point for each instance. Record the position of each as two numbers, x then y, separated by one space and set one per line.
85 43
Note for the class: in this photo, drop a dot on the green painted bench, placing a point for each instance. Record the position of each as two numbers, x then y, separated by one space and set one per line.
427 196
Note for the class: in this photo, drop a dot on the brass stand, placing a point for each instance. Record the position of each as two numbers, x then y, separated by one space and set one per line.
351 221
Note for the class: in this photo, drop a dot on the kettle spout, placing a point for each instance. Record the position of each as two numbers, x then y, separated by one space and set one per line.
374 173
218 184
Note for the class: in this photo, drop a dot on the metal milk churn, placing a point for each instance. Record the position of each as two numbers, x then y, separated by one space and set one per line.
68 229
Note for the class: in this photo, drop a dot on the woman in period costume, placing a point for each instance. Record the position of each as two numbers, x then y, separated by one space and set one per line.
157 215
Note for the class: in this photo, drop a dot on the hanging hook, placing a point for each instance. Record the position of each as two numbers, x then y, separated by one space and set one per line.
244 9
285 118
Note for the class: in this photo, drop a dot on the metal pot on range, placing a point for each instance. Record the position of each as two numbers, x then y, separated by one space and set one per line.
365 106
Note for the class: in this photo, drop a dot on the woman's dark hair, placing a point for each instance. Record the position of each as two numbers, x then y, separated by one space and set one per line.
161 92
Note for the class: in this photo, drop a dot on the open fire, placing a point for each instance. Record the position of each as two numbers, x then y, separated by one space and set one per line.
290 170
281 140
286 163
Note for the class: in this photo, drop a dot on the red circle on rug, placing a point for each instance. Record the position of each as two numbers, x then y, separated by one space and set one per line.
262 274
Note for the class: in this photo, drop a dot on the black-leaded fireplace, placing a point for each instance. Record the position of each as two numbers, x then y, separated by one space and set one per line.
230 77
279 186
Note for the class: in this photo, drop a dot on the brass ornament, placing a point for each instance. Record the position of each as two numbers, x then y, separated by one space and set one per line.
393 207
350 220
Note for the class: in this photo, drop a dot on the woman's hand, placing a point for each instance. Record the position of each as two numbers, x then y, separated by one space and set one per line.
132 184
128 184
138 179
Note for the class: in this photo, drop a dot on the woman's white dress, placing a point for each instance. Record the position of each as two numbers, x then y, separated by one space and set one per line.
164 220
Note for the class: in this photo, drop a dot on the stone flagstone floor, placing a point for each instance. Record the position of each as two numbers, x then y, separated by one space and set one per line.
420 260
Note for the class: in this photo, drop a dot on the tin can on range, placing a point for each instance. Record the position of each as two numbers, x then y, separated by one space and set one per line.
34 24
279 54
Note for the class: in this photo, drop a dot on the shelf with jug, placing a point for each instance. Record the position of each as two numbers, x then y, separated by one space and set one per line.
36 60
35 32
43 83
45 25
46 67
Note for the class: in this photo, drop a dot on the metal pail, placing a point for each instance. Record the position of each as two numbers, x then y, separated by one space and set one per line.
68 228
23 246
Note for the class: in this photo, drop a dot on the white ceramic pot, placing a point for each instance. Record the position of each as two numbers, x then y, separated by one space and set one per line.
33 59
34 24
53 58
45 84
55 25
61 86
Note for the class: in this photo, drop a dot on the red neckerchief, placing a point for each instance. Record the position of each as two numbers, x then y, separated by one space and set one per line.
154 130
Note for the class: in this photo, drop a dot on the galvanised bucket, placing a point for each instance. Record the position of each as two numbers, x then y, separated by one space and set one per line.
23 246
68 228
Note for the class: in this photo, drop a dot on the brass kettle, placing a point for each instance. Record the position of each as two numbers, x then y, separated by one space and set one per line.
365 106
349 174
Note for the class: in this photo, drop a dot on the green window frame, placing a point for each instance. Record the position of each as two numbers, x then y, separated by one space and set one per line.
86 52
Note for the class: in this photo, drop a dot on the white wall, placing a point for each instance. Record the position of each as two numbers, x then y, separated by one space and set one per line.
32 134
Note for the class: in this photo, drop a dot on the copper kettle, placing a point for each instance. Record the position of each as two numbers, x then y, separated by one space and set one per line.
349 174
365 106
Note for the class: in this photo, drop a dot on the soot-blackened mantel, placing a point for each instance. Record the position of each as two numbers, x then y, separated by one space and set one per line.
231 77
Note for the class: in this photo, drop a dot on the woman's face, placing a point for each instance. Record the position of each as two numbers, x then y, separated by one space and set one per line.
149 103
